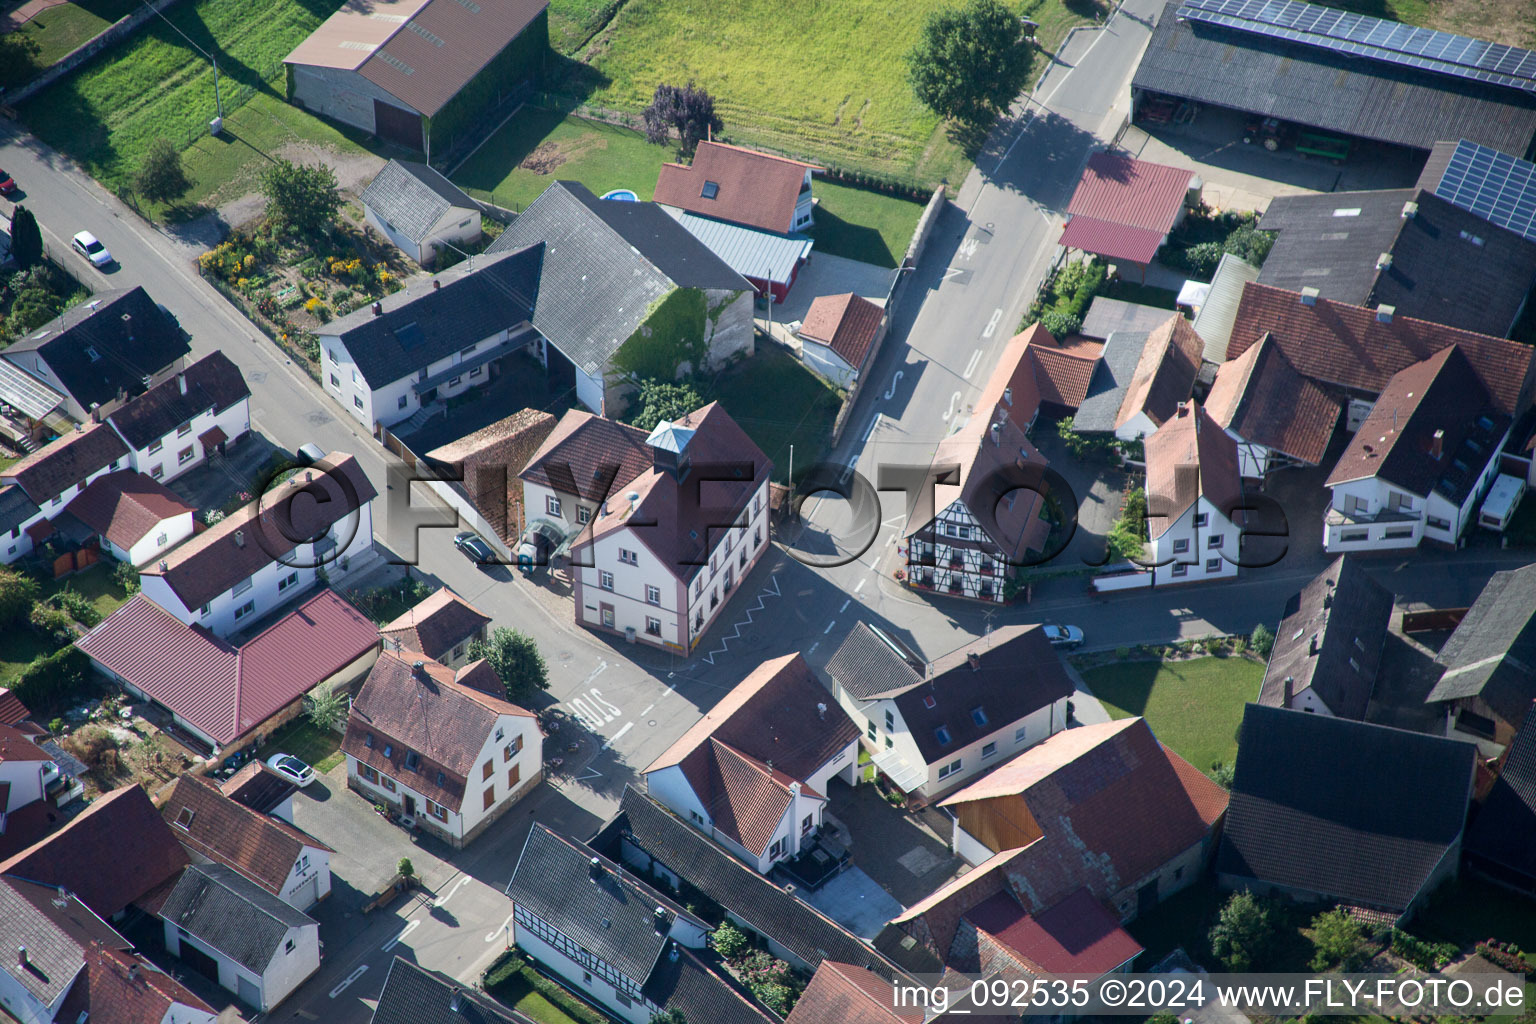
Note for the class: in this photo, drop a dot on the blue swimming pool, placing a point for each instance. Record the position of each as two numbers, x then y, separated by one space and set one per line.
622 195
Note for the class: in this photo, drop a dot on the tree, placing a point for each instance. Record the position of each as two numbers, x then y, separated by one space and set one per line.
18 592
161 178
729 941
664 400
689 111
1242 933
971 61
405 869
1060 324
325 709
516 659
1337 941
1261 640
301 197
669 1016
26 239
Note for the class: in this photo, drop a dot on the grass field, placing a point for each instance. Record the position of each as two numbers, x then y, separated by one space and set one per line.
778 402
1193 706
58 30
538 146
513 983
825 79
572 22
107 114
96 585
318 748
18 648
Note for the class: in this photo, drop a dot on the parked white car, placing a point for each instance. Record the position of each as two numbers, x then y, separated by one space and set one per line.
87 245
292 769
1064 636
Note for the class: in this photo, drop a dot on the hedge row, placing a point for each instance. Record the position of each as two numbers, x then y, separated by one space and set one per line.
55 680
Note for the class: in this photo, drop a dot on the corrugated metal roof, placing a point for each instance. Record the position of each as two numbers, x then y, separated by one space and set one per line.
352 34
751 253
1115 241
26 392
1214 320
1123 190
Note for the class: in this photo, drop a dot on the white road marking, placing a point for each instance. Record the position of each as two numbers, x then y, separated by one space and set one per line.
968 248
861 585
953 401
890 392
951 272
647 710
592 710
619 735
597 696
500 931
403 933
997 315
829 627
970 367
872 425
845 606
349 980
813 647
443 899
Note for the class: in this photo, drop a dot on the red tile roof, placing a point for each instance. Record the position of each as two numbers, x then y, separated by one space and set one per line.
1190 457
752 188
12 710
1123 207
122 988
220 690
66 461
434 715
582 446
846 994
111 854
16 745
1076 936
434 626
1064 368
745 798
845 323
125 506
259 846
1260 397
1165 373
1336 343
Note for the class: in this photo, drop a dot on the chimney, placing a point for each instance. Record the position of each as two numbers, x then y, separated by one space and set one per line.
181 382
164 565
378 309
1384 261
95 412
1183 410
1384 313
1290 689
128 324
1312 646
997 433
821 710
594 869
794 787
419 669
659 920
133 972
455 1000
1309 296
1410 210
21 956
437 285
239 538
975 661
1437 445
1007 396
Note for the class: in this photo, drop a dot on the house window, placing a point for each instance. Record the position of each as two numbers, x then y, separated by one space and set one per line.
437 811
469 349
965 532
355 378
1348 536
162 540
331 354
805 824
757 537
458 652
727 544
988 750
288 946
873 730
1214 541
1181 569
605 579
455 382
945 771
357 401
583 514
1020 734
1437 524
890 721
1213 565
335 382
586 977
512 749
514 775
697 817
942 735
477 371
156 447
205 609
652 625
246 609
652 594
184 456
776 850
485 770
184 429
157 472
979 716
387 782
291 580
710 190
401 402
1180 546
1200 519
367 773
489 798
552 504
241 587
628 557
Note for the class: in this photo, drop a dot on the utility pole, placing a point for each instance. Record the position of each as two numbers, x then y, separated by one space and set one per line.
218 104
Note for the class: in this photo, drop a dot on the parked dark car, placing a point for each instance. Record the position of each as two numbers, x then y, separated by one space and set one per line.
476 549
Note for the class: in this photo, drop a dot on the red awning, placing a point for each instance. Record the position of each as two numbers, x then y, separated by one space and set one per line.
212 437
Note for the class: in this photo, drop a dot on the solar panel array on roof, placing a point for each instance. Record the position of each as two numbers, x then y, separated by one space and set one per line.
1496 186
1361 35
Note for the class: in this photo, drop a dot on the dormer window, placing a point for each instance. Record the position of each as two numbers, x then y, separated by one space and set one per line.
184 819
942 735
412 761
368 741
95 356
979 716
389 749
711 190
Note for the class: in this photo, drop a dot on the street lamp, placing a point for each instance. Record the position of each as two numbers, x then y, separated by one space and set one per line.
217 124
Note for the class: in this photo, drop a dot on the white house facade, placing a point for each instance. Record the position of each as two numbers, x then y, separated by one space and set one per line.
1370 514
1200 545
189 445
457 227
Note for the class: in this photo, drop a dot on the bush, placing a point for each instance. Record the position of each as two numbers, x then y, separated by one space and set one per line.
1223 774
54 681
730 942
127 577
1505 956
1337 941
52 622
1128 537
1060 324
1201 260
91 745
73 602
1262 640
18 592
1250 244
1243 933
1429 956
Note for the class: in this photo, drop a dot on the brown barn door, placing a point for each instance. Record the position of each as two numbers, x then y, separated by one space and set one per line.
393 124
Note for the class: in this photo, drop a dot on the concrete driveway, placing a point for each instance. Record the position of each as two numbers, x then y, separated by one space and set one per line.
825 274
855 901
903 856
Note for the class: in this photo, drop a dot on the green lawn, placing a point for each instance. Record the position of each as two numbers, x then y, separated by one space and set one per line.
59 30
19 646
862 224
1194 707
155 84
320 749
96 585
824 79
778 402
513 983
572 22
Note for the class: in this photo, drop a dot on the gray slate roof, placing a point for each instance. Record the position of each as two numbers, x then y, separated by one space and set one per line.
213 383
1492 654
234 915
415 995
55 956
1500 838
15 507
682 982
765 907
422 324
1111 377
612 917
1106 316
1331 91
1314 809
1449 266
871 661
412 197
605 263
